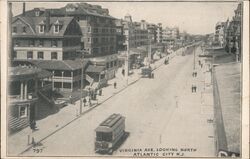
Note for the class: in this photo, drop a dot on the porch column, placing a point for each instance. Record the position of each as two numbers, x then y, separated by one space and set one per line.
36 86
53 73
25 90
42 83
21 90
99 77
62 79
72 81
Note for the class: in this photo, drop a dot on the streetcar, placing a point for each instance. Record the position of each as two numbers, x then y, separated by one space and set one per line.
110 134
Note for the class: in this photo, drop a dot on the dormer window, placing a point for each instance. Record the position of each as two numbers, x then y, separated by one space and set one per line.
41 28
37 13
56 28
24 29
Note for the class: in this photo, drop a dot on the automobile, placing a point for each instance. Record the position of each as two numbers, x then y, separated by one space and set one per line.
146 72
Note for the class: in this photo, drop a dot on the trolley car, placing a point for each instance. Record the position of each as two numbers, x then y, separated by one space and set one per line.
109 133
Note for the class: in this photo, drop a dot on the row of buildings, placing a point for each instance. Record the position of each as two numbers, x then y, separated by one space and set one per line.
228 34
65 49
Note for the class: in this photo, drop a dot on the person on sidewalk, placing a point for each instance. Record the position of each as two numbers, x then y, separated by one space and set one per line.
89 101
84 101
115 85
195 89
100 92
33 125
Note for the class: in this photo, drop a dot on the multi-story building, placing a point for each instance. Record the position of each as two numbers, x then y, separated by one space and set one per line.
97 26
219 36
141 33
50 43
152 30
129 31
170 36
233 33
159 33
46 38
120 37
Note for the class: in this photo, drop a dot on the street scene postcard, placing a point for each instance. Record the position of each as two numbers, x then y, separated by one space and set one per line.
127 79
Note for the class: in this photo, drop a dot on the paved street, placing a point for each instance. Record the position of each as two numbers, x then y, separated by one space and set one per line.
159 114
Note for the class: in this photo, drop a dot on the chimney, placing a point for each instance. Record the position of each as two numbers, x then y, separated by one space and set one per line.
47 23
23 8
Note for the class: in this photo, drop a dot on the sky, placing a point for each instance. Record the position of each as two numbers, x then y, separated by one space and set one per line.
193 17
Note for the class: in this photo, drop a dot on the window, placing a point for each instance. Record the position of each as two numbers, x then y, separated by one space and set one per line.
95 40
40 55
95 30
54 56
115 63
56 28
14 30
24 29
40 42
95 50
89 40
54 43
103 136
41 28
31 42
14 54
107 65
17 43
37 13
89 29
29 55
23 111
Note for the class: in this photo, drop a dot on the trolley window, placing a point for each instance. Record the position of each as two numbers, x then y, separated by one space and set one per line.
104 136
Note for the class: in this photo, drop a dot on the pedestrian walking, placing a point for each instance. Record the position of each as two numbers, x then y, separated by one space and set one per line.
115 85
90 102
100 92
33 125
84 101
123 72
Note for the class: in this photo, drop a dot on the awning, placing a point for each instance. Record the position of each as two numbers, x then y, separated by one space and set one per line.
95 69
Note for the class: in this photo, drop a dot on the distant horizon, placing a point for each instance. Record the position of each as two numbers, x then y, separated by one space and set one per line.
196 18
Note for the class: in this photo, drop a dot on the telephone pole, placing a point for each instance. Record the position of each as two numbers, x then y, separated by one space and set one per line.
127 58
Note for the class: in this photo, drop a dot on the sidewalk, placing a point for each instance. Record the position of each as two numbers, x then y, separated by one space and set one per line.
18 143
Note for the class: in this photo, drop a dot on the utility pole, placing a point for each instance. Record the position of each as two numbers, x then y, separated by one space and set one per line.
80 111
194 57
127 58
149 49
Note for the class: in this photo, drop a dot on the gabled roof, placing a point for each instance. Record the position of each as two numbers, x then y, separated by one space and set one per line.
36 21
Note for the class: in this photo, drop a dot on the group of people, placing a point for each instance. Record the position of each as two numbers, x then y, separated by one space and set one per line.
92 95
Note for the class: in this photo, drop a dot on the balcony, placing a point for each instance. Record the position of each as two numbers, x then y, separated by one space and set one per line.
16 99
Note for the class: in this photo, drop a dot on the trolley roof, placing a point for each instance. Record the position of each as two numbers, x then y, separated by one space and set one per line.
106 125
111 120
